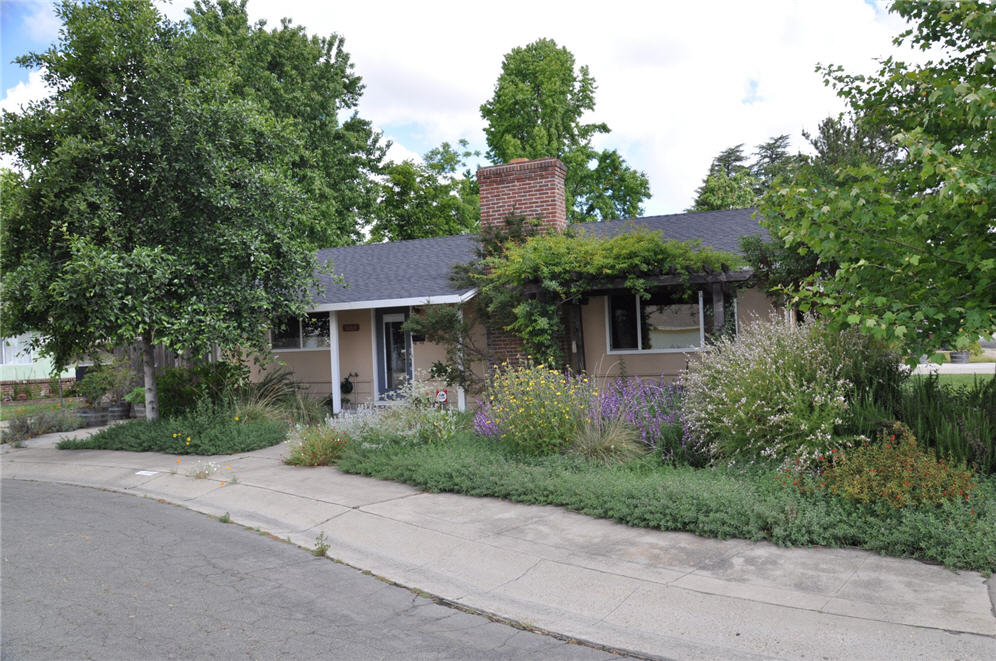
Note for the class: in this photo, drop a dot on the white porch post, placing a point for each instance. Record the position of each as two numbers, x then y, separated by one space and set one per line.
334 363
461 395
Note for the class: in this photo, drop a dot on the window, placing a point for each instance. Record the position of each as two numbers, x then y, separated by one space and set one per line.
309 332
667 321
16 350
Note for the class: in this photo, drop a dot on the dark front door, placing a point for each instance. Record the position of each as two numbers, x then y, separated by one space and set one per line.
394 352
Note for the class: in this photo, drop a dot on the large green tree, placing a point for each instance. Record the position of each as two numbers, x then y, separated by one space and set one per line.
308 83
536 111
158 205
839 142
436 198
913 237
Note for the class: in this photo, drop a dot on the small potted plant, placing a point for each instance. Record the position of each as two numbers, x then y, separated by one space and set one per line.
137 400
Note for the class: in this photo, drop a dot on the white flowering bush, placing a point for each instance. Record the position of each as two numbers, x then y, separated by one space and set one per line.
772 392
412 417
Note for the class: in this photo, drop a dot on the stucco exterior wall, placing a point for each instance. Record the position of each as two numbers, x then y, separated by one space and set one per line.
356 349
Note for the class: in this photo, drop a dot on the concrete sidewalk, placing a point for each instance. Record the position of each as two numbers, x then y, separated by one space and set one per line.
653 593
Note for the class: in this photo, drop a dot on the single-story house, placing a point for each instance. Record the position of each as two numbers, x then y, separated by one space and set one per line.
355 330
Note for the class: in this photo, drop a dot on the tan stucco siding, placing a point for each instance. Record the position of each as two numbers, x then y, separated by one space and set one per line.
753 304
356 349
311 369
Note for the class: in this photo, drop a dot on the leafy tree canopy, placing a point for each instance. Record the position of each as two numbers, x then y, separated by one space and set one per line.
536 111
158 204
913 237
437 198
308 83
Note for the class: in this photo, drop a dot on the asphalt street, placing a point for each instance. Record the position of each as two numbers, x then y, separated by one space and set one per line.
91 574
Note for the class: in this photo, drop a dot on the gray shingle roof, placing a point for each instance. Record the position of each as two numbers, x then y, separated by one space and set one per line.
399 270
420 269
717 229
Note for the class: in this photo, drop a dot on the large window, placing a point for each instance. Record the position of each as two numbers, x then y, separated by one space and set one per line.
309 332
16 350
667 321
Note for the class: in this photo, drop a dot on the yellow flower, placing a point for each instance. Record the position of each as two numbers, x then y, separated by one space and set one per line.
175 435
236 418
188 439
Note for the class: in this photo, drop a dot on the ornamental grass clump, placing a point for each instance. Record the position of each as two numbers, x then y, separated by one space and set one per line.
537 410
897 471
774 392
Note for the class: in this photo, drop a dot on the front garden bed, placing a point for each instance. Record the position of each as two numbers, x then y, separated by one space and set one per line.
755 503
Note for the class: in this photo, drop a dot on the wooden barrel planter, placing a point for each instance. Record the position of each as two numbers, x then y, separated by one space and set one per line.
118 411
960 357
91 417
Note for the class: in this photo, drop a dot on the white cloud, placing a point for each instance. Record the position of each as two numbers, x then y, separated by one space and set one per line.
672 77
41 23
397 153
18 96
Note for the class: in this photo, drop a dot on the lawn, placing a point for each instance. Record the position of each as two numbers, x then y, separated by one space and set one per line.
958 379
755 503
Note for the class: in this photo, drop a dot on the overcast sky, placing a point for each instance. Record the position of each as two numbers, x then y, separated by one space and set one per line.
677 81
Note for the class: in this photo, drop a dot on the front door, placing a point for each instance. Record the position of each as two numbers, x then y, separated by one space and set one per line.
394 360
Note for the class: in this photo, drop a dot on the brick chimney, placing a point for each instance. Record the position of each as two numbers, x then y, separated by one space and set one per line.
534 189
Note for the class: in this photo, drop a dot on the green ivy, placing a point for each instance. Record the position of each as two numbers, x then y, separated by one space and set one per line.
528 283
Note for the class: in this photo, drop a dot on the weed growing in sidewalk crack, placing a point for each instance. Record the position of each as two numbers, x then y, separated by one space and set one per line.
321 545
225 518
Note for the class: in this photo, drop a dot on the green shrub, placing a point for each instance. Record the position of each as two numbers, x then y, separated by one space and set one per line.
204 430
959 422
537 410
27 425
774 392
183 388
319 445
98 381
895 470
873 369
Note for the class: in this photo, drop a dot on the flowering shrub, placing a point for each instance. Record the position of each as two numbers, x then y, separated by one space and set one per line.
895 470
414 417
773 391
320 445
535 409
654 410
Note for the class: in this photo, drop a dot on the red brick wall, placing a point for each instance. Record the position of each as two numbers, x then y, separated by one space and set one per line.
534 189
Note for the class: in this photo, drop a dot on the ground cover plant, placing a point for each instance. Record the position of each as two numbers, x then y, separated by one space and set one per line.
206 430
749 502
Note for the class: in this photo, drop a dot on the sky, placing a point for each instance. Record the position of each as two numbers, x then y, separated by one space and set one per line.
678 82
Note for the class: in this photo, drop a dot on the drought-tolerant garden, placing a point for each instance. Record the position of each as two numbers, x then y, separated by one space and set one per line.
206 409
794 435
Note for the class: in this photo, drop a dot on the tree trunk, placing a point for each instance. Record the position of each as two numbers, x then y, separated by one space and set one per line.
149 368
